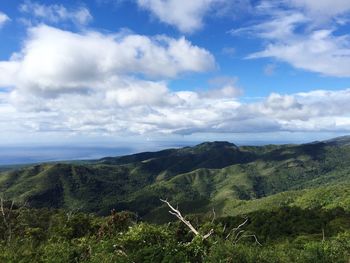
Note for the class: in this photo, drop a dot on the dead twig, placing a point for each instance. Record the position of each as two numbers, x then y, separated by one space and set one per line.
234 230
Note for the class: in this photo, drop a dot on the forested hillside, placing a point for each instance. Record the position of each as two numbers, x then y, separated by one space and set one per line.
216 175
273 203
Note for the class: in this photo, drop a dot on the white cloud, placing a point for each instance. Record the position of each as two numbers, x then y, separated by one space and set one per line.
64 82
146 107
293 36
280 26
135 92
120 88
187 16
151 108
316 111
56 13
3 19
325 8
55 61
320 110
320 52
270 69
223 87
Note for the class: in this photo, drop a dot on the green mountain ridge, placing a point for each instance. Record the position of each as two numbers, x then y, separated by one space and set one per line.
233 180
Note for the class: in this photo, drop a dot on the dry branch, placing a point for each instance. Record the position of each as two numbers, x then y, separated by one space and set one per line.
245 236
6 215
177 213
234 230
238 234
214 216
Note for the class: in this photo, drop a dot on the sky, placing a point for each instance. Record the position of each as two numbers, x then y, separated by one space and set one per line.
127 72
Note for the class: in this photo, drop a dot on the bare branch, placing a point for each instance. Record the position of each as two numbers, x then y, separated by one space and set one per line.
242 224
233 231
6 215
11 207
209 234
3 211
2 206
323 235
177 213
224 228
235 240
245 236
214 216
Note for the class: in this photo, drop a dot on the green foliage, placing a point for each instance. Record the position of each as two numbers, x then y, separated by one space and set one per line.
286 234
233 180
117 223
296 199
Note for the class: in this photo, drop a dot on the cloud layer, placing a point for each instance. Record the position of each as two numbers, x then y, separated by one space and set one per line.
88 82
121 87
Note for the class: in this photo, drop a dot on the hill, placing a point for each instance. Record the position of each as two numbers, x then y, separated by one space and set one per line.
220 175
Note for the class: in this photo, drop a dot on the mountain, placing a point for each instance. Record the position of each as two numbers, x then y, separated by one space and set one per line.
340 141
220 175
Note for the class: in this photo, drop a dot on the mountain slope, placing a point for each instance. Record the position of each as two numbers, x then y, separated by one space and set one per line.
212 174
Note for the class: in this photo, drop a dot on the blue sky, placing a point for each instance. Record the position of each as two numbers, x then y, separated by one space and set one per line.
102 71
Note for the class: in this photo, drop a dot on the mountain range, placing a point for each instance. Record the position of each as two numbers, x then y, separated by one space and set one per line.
217 176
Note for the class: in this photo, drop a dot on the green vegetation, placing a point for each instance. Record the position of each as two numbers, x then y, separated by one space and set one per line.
220 175
296 197
285 235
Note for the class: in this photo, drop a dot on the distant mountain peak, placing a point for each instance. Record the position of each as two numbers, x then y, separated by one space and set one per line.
215 144
210 146
340 141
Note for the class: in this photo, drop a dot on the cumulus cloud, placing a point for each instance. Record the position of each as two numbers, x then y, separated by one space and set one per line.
223 87
188 16
62 81
3 19
55 61
313 111
184 112
56 13
319 110
131 92
148 107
